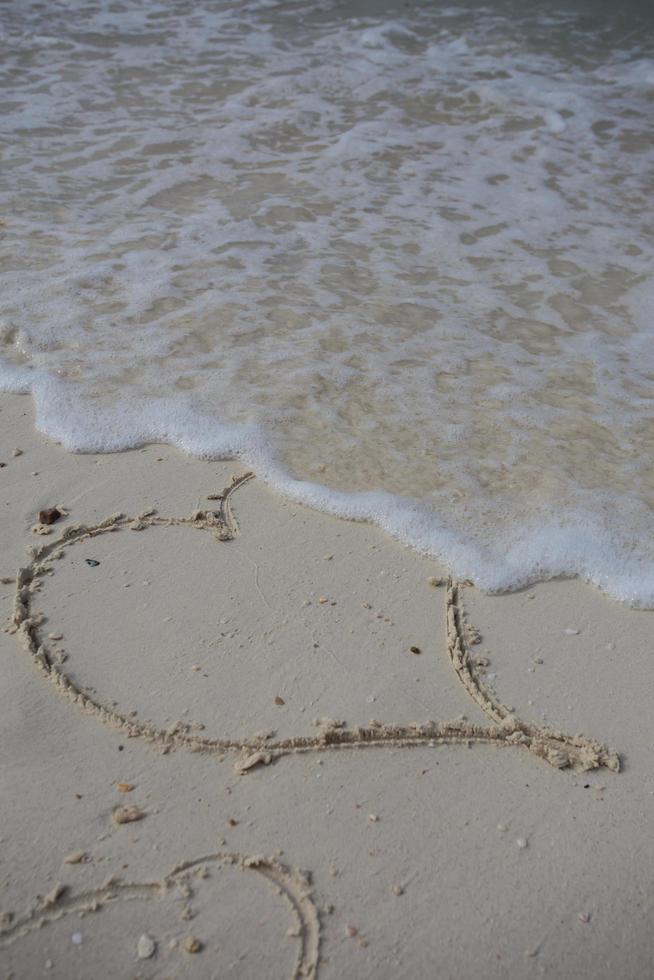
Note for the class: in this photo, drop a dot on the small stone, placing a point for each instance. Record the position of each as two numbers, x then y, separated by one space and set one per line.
398 890
192 944
76 939
124 787
415 650
584 916
146 947
327 557
571 632
127 814
323 599
50 515
521 842
16 452
373 818
279 700
92 562
351 931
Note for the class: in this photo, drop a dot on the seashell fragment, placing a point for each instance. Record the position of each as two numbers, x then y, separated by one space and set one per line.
146 947
127 814
76 857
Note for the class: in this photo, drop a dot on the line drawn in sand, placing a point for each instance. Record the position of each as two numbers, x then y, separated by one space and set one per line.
507 729
293 885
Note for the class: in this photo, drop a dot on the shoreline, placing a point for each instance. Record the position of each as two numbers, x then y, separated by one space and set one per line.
579 548
301 623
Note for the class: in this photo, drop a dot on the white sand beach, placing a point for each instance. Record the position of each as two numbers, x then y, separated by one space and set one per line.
178 657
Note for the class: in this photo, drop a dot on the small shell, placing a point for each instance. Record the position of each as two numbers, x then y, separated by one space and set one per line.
77 857
146 947
192 944
127 814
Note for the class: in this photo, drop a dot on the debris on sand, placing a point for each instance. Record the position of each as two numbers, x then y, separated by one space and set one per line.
50 515
146 947
258 758
77 857
41 529
192 944
127 814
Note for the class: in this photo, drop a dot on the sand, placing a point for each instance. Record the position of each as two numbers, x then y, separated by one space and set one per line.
241 738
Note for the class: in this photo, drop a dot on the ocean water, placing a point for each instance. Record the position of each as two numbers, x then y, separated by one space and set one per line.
397 257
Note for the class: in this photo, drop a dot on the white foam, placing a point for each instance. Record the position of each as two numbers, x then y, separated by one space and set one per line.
554 122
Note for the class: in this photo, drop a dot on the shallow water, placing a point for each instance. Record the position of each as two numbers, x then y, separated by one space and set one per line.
394 255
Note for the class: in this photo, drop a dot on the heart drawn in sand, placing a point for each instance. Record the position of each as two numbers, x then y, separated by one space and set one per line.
505 729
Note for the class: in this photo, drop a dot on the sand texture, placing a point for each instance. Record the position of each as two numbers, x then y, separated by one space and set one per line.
244 739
